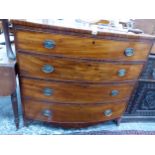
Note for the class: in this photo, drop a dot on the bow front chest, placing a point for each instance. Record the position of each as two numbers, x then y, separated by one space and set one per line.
74 78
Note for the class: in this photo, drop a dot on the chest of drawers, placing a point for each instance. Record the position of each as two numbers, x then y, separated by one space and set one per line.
72 78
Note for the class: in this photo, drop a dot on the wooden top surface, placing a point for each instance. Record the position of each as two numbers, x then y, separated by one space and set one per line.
81 27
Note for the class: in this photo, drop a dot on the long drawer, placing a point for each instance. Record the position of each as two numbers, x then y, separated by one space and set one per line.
51 68
51 112
74 92
80 47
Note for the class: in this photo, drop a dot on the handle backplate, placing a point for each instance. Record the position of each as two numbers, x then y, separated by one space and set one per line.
114 92
108 112
129 52
49 44
47 113
121 72
48 91
48 68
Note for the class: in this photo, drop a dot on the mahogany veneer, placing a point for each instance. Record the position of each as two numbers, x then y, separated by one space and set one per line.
62 113
81 47
70 69
63 92
74 78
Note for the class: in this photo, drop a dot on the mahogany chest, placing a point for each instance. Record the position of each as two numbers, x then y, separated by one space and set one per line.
73 77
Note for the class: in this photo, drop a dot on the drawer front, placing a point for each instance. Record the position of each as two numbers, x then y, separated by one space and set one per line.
70 70
80 47
74 92
51 112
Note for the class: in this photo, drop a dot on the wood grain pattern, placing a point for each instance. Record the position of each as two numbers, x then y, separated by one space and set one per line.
80 47
76 114
85 72
67 69
74 92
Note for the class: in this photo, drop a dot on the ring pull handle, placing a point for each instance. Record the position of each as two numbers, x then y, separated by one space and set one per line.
108 112
48 68
47 113
129 52
48 91
121 72
49 44
114 92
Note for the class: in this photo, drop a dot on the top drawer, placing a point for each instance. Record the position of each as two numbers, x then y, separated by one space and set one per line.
80 47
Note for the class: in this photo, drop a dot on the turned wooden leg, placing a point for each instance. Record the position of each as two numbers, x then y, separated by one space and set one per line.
15 108
118 121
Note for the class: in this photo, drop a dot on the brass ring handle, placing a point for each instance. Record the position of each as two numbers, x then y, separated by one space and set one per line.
48 68
108 112
114 92
49 44
47 113
48 91
121 72
129 52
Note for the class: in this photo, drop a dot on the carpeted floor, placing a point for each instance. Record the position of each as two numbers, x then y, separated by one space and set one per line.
37 128
122 132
